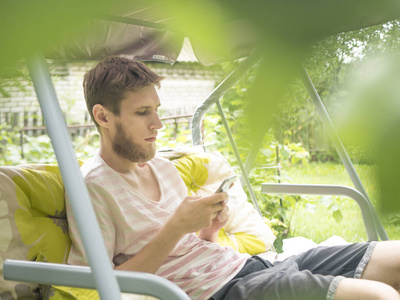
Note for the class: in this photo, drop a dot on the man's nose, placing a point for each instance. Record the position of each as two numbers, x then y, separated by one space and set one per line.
156 124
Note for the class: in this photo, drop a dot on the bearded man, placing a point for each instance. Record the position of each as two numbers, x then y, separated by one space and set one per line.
149 224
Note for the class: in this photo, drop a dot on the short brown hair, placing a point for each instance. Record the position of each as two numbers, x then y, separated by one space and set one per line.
108 81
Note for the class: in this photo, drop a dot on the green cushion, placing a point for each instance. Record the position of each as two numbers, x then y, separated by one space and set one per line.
70 293
41 217
33 221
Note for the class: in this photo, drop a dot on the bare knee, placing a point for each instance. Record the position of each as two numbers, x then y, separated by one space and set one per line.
386 292
361 289
384 264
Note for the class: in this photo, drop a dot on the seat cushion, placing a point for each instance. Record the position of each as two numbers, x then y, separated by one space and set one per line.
33 221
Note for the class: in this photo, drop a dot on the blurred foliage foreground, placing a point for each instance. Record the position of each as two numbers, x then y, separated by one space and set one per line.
284 32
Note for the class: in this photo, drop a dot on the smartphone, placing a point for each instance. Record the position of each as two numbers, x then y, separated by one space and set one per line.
226 184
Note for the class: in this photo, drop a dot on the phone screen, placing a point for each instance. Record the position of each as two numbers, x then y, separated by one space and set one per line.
226 184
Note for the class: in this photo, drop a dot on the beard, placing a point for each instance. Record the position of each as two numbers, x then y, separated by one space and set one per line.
129 150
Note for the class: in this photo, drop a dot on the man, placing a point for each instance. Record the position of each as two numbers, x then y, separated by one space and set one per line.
149 224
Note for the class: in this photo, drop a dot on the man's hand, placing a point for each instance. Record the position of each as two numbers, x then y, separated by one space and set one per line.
211 233
195 213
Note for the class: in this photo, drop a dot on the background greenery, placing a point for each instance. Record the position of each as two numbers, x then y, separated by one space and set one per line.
269 102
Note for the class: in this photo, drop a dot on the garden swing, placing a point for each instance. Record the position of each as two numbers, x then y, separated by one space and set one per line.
152 41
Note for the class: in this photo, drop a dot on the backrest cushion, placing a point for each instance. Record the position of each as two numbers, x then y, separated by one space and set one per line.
246 230
32 220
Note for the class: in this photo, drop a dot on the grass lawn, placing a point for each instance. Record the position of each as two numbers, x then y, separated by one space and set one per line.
312 217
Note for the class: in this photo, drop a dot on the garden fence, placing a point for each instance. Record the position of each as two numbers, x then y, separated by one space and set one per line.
31 124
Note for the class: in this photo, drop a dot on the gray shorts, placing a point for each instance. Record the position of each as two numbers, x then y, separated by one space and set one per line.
312 275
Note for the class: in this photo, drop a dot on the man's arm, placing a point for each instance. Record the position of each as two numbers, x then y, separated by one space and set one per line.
192 215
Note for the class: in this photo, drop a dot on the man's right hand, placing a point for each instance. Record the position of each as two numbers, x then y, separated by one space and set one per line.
196 213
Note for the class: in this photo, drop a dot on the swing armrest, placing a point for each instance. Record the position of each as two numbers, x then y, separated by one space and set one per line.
81 276
319 189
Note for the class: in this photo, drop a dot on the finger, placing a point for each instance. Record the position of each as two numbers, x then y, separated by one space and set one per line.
223 215
218 217
214 198
217 197
191 198
218 206
225 208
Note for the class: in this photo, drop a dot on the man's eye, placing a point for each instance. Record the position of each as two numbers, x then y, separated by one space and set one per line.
142 113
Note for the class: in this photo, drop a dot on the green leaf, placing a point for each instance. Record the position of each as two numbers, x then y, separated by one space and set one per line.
337 215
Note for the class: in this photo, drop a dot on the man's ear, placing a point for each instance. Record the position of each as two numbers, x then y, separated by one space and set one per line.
101 115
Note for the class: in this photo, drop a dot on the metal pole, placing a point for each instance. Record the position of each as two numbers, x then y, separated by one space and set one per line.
78 195
235 150
217 93
214 97
339 146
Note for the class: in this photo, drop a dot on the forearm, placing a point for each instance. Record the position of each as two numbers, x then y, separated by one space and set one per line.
151 257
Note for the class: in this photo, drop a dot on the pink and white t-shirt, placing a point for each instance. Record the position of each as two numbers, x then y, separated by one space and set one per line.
128 222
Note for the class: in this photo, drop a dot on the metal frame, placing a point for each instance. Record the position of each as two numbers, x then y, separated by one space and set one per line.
82 276
214 98
319 189
74 185
372 223
340 148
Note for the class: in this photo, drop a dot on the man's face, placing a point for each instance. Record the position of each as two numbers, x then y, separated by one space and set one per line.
135 129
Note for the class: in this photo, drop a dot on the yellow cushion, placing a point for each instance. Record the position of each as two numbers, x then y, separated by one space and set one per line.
242 242
41 217
33 221
193 171
245 231
70 293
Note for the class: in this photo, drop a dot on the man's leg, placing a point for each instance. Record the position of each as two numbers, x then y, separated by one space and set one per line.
318 274
379 280
384 264
361 289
